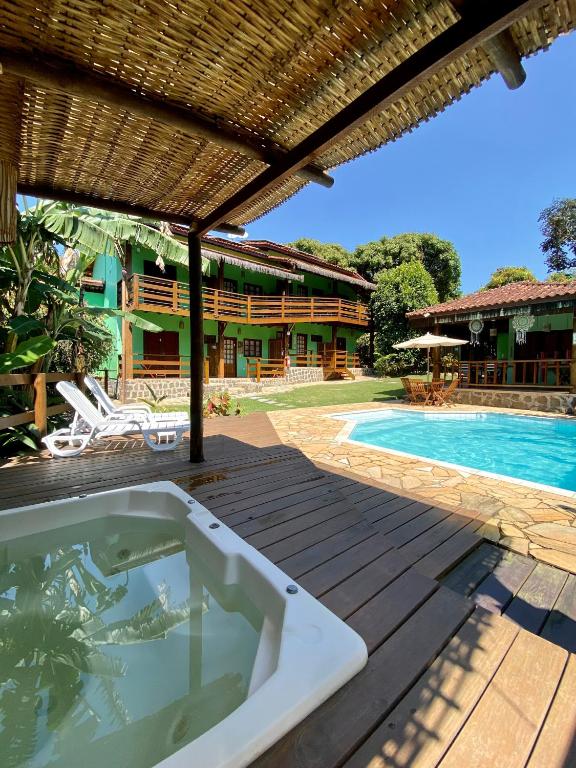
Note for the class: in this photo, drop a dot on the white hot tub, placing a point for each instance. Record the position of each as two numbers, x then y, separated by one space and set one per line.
138 630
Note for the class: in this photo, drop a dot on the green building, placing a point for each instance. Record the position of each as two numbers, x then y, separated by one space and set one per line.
520 335
270 311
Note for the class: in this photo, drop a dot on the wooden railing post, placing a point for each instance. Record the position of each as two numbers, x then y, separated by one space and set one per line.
135 282
40 404
206 371
175 296
258 369
216 296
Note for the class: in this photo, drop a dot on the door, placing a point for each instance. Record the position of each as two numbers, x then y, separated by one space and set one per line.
162 353
212 347
275 349
229 358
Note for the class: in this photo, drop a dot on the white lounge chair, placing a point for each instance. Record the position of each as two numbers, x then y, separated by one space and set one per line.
89 425
133 410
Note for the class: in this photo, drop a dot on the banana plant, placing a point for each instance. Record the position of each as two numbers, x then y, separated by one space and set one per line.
46 229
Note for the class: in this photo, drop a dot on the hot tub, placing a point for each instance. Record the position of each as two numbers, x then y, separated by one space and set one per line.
137 630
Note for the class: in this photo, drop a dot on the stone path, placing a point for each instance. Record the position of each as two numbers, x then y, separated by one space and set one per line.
521 518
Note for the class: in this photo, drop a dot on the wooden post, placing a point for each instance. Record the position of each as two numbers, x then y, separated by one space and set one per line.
436 355
220 348
258 369
40 404
8 184
573 356
127 370
206 371
196 345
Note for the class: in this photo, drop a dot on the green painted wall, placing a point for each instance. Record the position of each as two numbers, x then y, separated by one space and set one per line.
107 268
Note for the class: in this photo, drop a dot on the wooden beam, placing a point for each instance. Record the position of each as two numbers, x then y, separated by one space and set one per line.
196 346
60 75
78 198
502 51
484 21
505 57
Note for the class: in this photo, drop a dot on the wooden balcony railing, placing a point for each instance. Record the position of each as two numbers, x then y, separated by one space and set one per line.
546 374
178 366
153 294
263 367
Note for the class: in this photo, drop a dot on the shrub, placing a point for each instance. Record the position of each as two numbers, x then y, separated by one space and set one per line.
363 349
400 363
220 405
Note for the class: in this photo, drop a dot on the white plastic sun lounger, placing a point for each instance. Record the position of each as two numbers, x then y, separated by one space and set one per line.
132 410
89 425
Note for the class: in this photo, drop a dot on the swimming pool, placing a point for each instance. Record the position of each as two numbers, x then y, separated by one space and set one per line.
529 448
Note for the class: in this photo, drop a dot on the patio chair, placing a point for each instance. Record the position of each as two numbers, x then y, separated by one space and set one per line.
89 425
407 384
141 411
421 394
444 394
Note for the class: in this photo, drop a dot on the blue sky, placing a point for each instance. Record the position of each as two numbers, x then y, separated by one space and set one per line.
478 174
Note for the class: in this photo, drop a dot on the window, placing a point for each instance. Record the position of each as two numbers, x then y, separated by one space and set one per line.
253 290
317 292
252 347
230 285
301 343
301 290
209 339
316 338
341 344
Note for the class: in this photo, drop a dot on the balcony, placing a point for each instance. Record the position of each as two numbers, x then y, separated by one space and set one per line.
152 294
553 373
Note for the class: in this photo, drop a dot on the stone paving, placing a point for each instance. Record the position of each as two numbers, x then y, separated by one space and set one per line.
527 520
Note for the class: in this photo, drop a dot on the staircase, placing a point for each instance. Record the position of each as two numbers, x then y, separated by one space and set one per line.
336 365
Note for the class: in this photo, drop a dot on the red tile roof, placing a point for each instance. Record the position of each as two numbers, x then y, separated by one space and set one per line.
513 294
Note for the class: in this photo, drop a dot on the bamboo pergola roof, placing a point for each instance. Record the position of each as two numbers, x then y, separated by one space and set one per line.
173 108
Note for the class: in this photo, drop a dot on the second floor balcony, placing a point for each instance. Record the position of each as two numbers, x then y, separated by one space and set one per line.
152 294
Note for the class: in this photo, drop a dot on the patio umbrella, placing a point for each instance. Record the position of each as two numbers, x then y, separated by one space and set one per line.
427 342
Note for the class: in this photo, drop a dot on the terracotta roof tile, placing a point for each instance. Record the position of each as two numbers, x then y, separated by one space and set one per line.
507 295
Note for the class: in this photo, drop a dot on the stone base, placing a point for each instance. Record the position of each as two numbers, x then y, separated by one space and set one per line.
552 402
303 375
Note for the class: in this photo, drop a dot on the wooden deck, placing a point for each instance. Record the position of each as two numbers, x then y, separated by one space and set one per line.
449 682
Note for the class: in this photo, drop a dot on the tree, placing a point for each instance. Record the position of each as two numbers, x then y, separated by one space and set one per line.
558 224
399 290
371 258
333 253
561 277
504 275
439 258
36 298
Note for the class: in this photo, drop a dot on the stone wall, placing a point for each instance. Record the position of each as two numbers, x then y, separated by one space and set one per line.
136 389
304 375
552 402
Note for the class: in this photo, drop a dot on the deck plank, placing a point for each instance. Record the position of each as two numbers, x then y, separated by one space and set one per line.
505 724
531 605
556 744
418 732
560 627
499 587
466 576
335 730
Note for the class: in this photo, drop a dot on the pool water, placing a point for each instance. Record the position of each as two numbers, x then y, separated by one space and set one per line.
118 646
541 450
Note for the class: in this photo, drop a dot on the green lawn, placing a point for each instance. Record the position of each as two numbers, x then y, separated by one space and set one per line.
322 394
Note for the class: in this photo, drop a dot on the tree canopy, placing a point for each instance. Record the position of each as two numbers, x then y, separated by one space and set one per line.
558 224
399 290
504 275
561 277
333 253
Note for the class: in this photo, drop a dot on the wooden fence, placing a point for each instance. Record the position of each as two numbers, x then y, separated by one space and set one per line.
36 383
